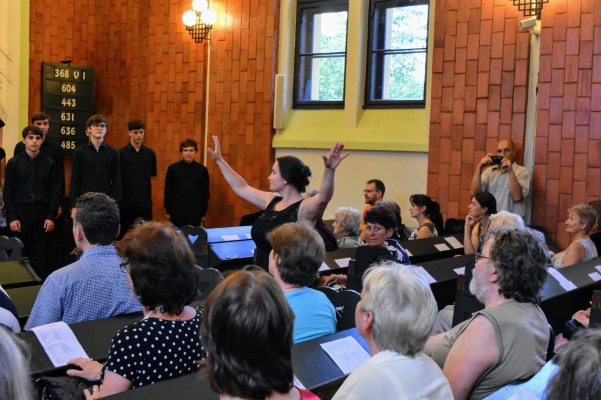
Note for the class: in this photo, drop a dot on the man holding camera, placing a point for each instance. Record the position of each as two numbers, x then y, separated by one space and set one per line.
503 178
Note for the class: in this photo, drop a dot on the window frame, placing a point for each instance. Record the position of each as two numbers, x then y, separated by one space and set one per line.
322 6
370 77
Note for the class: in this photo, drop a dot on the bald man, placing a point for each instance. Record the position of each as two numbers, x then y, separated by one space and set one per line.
507 181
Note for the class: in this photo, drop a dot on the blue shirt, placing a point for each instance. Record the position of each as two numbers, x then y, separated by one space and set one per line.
92 288
314 314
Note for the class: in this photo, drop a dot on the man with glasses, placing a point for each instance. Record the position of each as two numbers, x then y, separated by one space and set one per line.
503 178
96 166
94 286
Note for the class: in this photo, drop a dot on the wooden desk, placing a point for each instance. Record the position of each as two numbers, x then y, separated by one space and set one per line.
14 274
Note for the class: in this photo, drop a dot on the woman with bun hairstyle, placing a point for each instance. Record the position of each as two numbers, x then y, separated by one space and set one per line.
427 214
289 178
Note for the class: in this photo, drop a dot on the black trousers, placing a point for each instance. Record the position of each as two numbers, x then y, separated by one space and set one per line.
35 239
185 213
130 215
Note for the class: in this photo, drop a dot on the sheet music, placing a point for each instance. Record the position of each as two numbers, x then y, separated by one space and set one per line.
343 262
347 353
298 383
563 281
452 240
248 236
324 267
408 252
425 274
460 271
442 247
524 394
598 267
59 342
595 276
230 238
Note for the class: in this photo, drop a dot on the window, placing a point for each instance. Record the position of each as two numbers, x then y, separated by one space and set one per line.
320 55
397 54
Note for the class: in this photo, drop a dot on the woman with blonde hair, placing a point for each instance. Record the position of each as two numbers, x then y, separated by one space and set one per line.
580 224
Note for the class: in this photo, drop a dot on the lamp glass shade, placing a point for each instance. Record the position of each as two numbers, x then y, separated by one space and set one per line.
208 17
189 18
200 5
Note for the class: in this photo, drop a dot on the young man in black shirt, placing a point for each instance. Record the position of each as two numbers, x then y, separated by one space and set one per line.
32 197
50 149
187 188
138 165
95 166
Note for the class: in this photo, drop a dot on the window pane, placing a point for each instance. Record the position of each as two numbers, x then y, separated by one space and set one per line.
403 76
407 27
325 81
332 32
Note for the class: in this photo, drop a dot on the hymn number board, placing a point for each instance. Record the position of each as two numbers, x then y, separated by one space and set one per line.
67 96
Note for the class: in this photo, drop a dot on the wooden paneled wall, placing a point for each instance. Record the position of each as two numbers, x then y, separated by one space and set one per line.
479 96
147 66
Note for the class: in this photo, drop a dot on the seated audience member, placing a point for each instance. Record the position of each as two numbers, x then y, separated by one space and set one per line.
427 214
346 227
477 221
395 316
507 341
9 317
94 286
14 374
329 239
579 369
380 223
580 224
297 254
247 333
162 275
399 232
502 221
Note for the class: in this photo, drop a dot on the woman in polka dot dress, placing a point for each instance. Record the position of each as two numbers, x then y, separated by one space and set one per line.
166 343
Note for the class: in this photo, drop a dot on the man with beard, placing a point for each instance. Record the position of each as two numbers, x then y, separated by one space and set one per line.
506 342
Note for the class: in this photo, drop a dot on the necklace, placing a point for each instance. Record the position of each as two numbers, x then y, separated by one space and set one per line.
148 315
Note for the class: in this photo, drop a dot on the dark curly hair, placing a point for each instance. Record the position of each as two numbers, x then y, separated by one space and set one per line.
295 172
432 209
247 333
381 215
521 259
579 369
98 215
161 266
301 251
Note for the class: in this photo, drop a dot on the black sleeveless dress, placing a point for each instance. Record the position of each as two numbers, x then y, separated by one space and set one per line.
268 221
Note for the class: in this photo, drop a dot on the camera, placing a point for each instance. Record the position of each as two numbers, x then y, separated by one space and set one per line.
496 159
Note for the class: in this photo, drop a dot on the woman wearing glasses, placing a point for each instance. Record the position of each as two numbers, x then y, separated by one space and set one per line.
507 341
165 344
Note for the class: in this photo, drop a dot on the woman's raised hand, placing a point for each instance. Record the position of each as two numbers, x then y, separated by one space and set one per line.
334 157
216 154
470 221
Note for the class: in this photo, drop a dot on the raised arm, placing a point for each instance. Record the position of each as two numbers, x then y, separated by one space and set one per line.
311 209
237 183
476 186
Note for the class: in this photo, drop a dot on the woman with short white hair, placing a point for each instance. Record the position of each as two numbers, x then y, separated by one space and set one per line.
14 374
346 227
395 317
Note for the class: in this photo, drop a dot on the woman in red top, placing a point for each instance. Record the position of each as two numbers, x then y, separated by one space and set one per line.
247 334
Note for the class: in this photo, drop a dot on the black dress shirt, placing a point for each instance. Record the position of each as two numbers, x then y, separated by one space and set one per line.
187 183
31 180
137 167
95 171
53 151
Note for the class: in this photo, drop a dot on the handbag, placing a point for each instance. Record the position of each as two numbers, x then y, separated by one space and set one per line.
63 387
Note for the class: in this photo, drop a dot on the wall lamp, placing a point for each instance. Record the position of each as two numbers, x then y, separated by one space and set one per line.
200 21
530 7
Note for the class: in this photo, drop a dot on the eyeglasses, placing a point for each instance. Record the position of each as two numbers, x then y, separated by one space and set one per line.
479 257
100 126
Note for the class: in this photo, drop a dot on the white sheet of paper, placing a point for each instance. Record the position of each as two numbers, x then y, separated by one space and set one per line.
425 274
324 267
298 383
248 236
343 262
524 394
442 247
192 238
598 267
595 276
563 281
452 240
59 342
347 353
408 253
230 238
460 271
